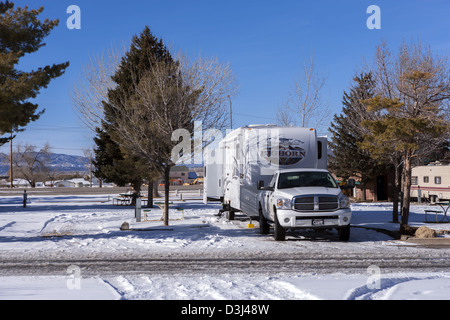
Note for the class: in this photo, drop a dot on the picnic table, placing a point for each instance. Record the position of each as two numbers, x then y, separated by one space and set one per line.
162 204
125 199
444 206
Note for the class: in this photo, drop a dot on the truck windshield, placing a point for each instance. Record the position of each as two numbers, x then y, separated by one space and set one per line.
306 179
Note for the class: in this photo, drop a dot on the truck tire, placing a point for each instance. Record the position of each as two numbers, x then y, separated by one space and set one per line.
344 233
280 232
264 227
230 215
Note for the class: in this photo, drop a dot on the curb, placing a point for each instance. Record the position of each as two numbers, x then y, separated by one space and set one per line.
444 242
427 241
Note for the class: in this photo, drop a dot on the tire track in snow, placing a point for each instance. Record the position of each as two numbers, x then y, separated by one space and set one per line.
7 225
383 290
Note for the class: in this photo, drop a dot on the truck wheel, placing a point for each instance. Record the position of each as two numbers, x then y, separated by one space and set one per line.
230 215
344 233
280 232
264 227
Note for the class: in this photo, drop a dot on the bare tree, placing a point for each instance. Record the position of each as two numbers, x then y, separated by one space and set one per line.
285 116
172 96
30 164
91 87
305 100
89 154
412 104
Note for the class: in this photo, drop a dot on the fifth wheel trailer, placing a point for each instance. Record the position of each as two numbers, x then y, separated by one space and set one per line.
250 157
252 153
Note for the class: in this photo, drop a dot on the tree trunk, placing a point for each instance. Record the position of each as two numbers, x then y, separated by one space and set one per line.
406 190
150 194
166 194
397 188
364 187
137 185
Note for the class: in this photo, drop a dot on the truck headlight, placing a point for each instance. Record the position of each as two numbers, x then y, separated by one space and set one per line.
284 203
344 202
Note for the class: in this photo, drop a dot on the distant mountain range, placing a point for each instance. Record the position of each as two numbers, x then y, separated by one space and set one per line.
63 163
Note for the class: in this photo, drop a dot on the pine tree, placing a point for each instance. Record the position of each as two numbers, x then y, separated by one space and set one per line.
116 159
348 158
399 131
21 33
113 166
157 95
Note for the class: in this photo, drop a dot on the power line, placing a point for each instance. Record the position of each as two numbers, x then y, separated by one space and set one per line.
55 128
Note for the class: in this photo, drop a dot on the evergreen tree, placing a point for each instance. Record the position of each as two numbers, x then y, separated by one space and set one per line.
348 158
116 160
21 33
412 110
156 95
399 131
112 165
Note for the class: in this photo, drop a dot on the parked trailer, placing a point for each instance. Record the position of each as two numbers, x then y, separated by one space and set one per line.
252 153
433 181
250 157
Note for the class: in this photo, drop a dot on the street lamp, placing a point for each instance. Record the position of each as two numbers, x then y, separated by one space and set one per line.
231 113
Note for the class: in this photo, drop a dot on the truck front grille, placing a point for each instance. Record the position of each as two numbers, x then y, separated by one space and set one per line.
316 203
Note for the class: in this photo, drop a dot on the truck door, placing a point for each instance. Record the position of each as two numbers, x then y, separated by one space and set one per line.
267 197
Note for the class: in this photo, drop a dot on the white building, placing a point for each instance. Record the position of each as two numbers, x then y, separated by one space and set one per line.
433 181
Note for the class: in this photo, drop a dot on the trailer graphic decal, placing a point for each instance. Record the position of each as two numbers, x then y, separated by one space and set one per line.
289 151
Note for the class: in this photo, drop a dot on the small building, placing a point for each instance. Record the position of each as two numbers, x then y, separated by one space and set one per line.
380 188
179 173
433 181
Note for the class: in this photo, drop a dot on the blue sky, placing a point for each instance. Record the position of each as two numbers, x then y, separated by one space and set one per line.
266 43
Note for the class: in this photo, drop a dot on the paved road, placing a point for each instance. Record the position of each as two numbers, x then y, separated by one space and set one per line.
83 191
62 191
191 264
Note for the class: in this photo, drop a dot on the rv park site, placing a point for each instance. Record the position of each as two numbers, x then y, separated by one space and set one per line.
68 244
225 154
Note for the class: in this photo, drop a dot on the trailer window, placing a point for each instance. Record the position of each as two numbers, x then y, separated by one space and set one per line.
306 179
414 181
437 180
426 179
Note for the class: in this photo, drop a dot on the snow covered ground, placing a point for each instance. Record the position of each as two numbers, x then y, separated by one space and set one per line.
88 226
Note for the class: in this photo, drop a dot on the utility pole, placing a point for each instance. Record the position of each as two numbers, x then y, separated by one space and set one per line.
231 113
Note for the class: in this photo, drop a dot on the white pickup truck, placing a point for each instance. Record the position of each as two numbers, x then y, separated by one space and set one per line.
301 199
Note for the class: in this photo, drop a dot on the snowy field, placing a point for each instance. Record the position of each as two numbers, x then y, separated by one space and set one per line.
88 226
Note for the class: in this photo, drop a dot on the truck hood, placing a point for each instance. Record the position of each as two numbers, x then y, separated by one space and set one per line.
293 192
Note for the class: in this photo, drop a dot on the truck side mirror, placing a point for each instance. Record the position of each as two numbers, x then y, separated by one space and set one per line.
351 183
260 184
